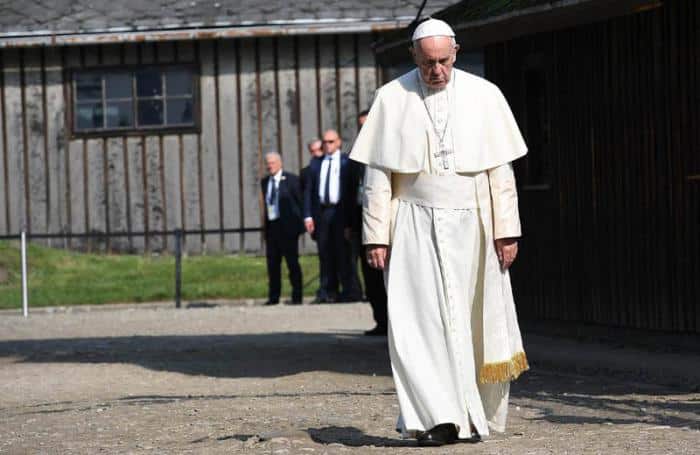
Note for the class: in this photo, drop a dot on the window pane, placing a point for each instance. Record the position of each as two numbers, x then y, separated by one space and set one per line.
150 112
118 85
148 83
178 82
180 111
119 114
88 116
88 86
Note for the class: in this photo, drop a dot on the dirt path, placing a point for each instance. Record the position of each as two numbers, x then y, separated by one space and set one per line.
281 380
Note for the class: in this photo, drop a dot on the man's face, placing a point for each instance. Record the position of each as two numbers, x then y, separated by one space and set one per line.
434 57
273 164
316 149
331 142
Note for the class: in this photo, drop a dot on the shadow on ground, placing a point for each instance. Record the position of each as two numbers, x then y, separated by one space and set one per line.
553 397
231 356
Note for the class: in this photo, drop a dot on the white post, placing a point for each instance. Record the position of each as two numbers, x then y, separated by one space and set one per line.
25 298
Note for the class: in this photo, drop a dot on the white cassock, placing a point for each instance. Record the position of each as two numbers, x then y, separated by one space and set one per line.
439 189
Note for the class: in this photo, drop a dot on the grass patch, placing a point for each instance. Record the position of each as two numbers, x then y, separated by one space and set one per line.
59 277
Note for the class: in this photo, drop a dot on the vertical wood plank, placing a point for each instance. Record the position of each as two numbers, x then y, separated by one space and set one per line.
56 143
94 171
367 74
171 165
14 140
190 188
154 193
189 168
287 105
209 150
268 101
166 51
35 134
229 134
347 89
328 83
135 189
97 198
75 182
184 52
250 146
134 210
169 162
115 172
4 208
153 176
308 90
308 103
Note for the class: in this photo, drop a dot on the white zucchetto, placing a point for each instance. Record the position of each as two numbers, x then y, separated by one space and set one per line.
432 27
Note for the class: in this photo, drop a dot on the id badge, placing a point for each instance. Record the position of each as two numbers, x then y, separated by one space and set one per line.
271 213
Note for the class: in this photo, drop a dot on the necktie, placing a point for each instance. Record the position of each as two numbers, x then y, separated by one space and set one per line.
327 188
273 193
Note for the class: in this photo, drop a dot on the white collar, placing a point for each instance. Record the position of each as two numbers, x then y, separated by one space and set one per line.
278 176
334 156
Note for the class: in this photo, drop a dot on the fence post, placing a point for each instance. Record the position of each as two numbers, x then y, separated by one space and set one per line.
178 266
25 296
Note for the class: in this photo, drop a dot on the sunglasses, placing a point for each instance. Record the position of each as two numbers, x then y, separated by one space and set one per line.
330 141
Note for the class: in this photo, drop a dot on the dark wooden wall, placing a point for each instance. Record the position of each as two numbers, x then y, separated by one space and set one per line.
257 95
610 191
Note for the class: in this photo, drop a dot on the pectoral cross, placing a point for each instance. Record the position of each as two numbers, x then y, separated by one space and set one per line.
444 152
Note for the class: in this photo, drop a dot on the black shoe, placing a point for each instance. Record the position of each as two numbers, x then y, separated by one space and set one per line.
440 435
271 302
295 302
475 437
378 331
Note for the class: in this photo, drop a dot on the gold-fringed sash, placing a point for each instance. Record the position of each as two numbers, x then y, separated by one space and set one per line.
509 370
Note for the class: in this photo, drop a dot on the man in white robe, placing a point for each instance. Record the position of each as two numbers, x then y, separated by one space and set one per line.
441 218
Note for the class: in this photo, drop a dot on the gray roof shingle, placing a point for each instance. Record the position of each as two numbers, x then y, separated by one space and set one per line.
52 17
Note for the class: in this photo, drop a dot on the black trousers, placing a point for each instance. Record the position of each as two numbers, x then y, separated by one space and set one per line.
279 245
334 258
374 284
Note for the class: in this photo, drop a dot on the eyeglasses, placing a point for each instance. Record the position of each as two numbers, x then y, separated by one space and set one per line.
330 141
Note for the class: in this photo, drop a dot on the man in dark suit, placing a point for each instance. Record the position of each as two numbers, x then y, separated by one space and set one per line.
374 278
325 199
315 147
283 226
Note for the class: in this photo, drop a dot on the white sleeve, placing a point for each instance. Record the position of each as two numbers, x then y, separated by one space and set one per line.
504 199
376 207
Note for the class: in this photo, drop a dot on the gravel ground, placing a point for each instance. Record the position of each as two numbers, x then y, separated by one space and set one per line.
286 380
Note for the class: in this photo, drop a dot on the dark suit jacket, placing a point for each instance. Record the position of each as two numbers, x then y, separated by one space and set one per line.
312 203
304 174
290 204
354 209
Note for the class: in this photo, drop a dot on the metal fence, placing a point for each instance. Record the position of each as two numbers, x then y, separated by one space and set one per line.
177 234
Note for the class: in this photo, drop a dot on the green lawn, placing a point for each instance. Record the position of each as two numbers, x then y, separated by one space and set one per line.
60 277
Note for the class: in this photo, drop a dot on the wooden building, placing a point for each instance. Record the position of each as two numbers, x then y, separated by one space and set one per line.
125 116
607 96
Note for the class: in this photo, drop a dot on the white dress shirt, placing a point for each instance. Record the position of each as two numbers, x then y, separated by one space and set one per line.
334 188
273 206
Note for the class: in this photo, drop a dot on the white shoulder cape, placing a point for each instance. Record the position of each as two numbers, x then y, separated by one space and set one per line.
398 131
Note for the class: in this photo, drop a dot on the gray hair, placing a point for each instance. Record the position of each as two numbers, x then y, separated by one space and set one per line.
313 141
274 154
